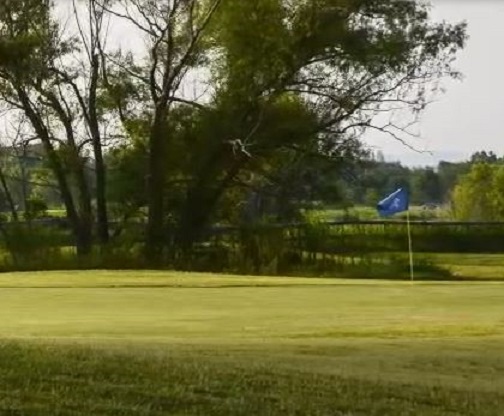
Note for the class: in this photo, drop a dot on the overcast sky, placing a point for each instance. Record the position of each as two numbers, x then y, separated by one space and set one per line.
468 117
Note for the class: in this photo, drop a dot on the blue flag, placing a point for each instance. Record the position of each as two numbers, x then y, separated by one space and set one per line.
394 203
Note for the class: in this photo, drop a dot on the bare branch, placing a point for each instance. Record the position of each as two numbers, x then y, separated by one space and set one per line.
127 16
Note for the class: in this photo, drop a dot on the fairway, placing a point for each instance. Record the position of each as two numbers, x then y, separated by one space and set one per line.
167 343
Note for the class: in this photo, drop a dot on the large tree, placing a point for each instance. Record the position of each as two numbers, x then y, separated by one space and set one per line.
174 30
29 47
285 77
333 66
51 76
479 194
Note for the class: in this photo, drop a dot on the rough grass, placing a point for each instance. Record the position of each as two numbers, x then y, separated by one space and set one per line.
472 266
149 343
294 380
370 213
463 266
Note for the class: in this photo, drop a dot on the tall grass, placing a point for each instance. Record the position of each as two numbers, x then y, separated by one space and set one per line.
315 249
312 249
392 237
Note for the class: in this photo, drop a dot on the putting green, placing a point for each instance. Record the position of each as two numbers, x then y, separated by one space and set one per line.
180 307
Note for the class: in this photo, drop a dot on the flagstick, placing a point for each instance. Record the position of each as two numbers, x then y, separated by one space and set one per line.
410 245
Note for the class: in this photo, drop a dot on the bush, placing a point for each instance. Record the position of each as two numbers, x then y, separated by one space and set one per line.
314 249
28 245
35 208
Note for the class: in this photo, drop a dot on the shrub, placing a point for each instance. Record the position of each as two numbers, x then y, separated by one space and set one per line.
35 208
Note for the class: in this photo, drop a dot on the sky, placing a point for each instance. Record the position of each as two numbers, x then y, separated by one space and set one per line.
468 116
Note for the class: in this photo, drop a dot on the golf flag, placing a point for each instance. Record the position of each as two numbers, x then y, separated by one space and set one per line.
394 203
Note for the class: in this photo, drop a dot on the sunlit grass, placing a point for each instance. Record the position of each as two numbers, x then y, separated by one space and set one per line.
174 305
153 343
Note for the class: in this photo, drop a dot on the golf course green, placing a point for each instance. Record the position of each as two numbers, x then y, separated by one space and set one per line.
155 343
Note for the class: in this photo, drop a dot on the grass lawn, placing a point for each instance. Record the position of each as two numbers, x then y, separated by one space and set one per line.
151 343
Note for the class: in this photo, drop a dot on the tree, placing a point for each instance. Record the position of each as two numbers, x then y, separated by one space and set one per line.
126 185
449 174
425 186
343 68
479 195
286 79
380 177
28 47
44 80
87 98
175 31
497 193
334 65
6 191
484 157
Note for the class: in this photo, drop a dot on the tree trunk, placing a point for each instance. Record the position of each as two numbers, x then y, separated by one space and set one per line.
100 173
24 178
200 206
83 237
83 240
101 198
156 184
8 196
85 208
81 224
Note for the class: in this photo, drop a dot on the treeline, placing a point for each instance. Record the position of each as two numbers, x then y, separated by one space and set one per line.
374 178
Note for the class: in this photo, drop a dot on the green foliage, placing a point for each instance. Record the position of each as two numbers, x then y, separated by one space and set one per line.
449 175
26 36
126 185
294 78
380 177
369 179
261 250
479 195
32 247
253 59
357 240
316 249
36 208
289 82
485 157
41 183
425 186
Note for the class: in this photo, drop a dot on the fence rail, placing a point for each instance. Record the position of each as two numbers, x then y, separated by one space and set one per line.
430 223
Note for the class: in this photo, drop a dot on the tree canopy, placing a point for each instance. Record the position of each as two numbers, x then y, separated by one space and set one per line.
479 194
225 99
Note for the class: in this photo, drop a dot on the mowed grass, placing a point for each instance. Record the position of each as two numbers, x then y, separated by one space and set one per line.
152 343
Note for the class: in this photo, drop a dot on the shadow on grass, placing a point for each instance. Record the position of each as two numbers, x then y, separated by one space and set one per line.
62 380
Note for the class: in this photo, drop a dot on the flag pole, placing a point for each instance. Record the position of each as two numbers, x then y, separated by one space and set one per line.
410 246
